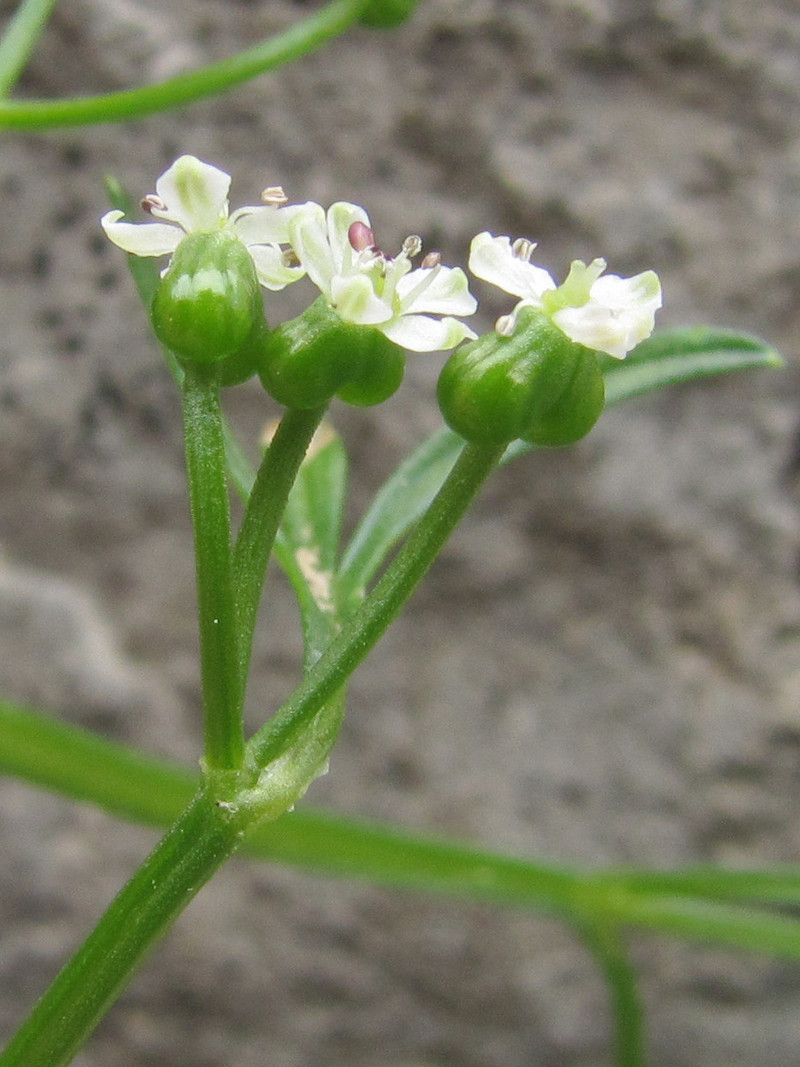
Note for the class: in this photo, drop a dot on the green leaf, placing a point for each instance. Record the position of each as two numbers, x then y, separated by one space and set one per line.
667 358
710 922
307 546
396 506
19 39
780 885
671 357
143 789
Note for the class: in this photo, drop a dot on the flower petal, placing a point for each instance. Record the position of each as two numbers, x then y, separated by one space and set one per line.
195 195
620 313
341 217
308 235
260 225
271 268
420 333
493 260
642 291
354 299
141 238
441 290
604 329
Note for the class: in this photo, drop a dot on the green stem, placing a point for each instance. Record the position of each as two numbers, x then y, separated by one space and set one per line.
262 518
208 491
19 39
297 41
362 631
201 840
605 943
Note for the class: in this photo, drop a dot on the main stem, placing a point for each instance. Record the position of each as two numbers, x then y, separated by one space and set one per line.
211 517
199 842
216 821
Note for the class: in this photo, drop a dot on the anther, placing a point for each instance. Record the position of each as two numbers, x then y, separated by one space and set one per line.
361 237
152 203
432 259
523 249
275 195
289 258
504 326
412 246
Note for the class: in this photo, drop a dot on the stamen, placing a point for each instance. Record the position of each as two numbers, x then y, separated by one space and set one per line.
427 280
290 258
505 325
361 238
412 246
274 194
152 203
522 249
432 259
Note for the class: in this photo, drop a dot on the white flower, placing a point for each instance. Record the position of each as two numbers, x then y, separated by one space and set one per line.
367 287
192 197
608 314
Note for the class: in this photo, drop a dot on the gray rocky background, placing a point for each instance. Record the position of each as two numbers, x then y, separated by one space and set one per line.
605 664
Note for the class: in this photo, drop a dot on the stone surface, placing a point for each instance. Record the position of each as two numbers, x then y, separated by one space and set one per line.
604 667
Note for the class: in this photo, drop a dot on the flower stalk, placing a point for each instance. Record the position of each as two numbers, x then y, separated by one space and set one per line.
211 517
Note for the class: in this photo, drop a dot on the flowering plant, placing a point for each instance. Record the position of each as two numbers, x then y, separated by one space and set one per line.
538 378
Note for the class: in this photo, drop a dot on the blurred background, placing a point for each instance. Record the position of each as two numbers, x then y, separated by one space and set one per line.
604 665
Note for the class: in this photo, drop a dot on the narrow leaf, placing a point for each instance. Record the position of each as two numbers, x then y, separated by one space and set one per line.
396 506
671 357
307 545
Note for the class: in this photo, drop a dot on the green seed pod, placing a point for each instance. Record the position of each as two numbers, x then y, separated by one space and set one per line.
383 14
536 384
209 301
243 364
307 361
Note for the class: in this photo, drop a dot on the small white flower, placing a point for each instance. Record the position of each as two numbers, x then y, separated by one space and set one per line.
192 197
366 287
608 314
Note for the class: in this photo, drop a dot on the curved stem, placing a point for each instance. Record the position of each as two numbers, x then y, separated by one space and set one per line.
211 517
265 508
199 842
297 41
21 34
605 943
363 630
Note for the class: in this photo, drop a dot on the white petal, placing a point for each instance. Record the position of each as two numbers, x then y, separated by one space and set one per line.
271 267
341 217
308 235
642 291
441 290
141 238
355 301
260 225
420 333
603 329
195 194
493 260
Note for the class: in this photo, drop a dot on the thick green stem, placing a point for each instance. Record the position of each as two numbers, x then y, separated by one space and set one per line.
201 840
262 518
211 516
363 630
294 43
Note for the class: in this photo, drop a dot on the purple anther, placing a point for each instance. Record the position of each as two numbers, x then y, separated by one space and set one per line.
361 237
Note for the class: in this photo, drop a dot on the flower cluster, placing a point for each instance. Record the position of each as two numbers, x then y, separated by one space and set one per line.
418 308
605 313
